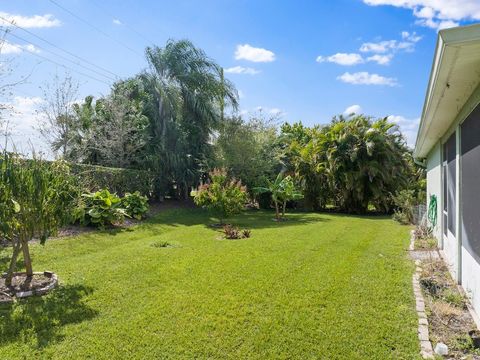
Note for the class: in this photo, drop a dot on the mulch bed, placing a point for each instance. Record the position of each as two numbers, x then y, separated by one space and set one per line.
38 284
448 315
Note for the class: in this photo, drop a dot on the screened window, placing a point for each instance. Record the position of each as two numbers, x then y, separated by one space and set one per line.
470 204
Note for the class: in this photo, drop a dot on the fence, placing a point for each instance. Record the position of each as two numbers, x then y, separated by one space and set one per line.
419 214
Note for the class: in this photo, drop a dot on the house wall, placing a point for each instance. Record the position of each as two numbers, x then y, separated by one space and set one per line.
464 266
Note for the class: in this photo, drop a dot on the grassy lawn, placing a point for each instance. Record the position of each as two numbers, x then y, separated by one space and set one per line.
315 287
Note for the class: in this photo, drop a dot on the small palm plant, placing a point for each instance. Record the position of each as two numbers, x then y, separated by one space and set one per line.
283 190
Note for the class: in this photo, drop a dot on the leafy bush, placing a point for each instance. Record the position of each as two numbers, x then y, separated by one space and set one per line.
35 200
100 208
222 196
233 232
135 205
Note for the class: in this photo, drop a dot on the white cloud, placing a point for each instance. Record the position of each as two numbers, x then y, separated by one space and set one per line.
275 112
250 53
408 127
437 24
365 78
22 117
117 22
379 47
242 70
35 21
387 46
436 14
9 48
354 109
381 59
342 59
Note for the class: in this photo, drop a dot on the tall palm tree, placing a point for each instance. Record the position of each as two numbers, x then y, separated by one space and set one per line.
188 94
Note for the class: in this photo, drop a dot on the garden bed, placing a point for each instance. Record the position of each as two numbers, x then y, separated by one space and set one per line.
39 284
447 310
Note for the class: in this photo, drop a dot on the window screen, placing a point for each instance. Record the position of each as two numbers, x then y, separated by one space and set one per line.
470 204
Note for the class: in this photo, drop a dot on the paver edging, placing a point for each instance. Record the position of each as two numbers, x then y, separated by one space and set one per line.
426 349
38 292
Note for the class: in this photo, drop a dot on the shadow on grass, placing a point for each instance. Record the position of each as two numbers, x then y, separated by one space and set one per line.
174 217
255 219
39 320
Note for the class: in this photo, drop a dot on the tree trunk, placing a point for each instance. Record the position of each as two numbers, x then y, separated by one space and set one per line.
13 263
283 209
185 191
277 212
26 257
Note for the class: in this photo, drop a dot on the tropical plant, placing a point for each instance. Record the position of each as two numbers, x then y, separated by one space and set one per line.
187 95
135 204
36 198
100 208
366 162
304 153
232 232
222 196
283 190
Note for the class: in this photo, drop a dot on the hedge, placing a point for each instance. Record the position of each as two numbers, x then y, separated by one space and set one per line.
116 180
120 181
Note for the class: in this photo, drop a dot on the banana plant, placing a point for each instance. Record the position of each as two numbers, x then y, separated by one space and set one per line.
283 190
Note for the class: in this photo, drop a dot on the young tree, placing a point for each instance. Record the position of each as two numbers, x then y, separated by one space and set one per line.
283 190
56 122
121 127
35 200
222 196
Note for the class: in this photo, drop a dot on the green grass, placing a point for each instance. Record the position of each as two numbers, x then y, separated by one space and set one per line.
315 287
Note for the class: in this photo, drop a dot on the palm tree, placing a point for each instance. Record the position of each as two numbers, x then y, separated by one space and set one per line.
188 92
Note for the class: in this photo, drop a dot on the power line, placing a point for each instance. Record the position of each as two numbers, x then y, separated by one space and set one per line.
62 57
122 23
56 63
57 47
95 28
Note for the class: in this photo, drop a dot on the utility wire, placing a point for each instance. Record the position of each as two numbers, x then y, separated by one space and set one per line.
138 33
59 48
62 57
56 63
95 28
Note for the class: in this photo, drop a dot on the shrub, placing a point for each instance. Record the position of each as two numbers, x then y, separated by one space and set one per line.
224 197
135 205
100 208
404 201
233 232
35 200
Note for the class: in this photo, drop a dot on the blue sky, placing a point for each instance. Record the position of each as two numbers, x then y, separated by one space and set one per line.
307 60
